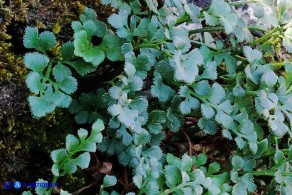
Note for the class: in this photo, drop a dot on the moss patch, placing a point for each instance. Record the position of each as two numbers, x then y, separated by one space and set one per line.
26 143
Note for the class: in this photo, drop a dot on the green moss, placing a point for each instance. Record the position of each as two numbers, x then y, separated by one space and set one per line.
25 143
11 65
51 15
30 141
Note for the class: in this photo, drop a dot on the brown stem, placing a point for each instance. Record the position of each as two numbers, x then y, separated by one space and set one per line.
190 144
84 188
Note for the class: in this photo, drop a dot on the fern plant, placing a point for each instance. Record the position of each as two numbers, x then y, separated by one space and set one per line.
173 60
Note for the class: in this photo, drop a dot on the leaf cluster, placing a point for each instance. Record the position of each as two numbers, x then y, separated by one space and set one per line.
175 66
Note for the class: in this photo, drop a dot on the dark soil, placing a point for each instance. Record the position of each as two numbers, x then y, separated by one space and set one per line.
201 3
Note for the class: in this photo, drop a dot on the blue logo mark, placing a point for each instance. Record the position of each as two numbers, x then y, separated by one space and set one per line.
7 185
17 184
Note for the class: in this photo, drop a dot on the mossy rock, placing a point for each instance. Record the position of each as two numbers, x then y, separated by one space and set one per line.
25 142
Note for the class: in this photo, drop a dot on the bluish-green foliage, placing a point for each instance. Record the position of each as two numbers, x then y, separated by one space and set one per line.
174 67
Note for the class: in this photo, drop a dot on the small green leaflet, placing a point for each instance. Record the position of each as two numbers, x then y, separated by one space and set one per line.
160 90
186 66
42 42
92 54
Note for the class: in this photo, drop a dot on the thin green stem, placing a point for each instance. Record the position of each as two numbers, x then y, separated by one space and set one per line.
221 28
182 19
70 154
168 191
267 173
240 58
277 143
207 29
265 37
227 78
262 173
210 47
272 152
204 44
52 187
49 69
237 3
252 93
254 27
146 45
203 99
142 190
167 53
289 90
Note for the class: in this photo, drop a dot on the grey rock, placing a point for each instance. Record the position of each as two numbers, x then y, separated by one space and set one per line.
201 3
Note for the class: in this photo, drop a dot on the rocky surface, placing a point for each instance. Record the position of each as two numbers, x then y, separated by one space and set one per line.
12 95
201 3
